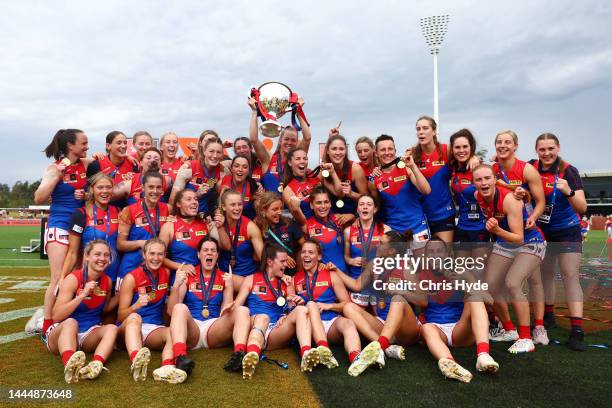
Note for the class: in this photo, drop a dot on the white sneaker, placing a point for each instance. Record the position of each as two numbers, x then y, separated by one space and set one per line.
485 363
540 336
310 359
522 346
249 362
169 374
450 369
506 335
326 357
73 365
395 351
368 356
140 364
34 325
91 370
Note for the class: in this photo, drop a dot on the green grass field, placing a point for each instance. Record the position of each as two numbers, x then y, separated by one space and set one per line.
553 376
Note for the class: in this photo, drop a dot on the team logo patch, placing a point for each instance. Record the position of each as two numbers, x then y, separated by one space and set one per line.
100 221
75 228
186 235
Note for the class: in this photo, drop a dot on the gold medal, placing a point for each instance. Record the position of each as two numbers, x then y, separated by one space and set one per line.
205 312
325 173
401 164
66 161
340 203
280 188
281 301
152 295
382 304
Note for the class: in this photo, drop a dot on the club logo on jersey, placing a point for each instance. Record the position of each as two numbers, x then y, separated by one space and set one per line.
100 221
127 176
186 235
384 185
260 290
316 232
164 172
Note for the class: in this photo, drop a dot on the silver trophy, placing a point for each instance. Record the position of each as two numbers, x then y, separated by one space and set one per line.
273 101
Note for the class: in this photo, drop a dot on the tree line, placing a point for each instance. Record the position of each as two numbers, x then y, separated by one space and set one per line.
20 195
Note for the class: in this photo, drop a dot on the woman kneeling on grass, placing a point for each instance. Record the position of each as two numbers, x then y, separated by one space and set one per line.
141 306
83 296
202 307
454 318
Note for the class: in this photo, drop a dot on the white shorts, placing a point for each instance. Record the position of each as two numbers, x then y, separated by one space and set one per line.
447 329
204 326
56 235
327 324
360 299
419 239
537 248
81 336
148 328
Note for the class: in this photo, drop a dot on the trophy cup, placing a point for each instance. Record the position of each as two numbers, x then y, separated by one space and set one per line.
274 99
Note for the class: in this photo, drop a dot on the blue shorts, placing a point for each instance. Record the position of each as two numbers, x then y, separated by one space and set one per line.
465 239
445 224
567 240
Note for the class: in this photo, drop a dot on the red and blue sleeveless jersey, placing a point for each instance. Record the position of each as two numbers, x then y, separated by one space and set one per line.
366 170
242 251
496 209
100 224
437 205
302 190
171 169
513 177
471 217
151 313
329 233
134 215
320 290
350 205
89 312
271 179
357 242
63 202
261 300
200 176
185 240
248 195
136 194
444 305
383 299
401 201
194 296
562 215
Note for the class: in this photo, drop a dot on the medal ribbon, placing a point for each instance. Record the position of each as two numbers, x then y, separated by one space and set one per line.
207 290
153 226
309 287
269 285
95 216
150 277
236 235
365 246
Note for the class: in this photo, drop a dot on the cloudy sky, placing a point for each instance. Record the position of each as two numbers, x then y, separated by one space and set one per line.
530 66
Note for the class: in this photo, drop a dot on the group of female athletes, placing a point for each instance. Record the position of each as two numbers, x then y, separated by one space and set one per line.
155 251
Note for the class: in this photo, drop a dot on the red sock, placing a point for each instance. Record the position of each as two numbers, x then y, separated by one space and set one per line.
132 355
179 349
46 324
384 342
482 348
99 358
253 347
524 332
509 325
576 323
322 343
353 355
303 350
66 356
240 347
538 322
169 361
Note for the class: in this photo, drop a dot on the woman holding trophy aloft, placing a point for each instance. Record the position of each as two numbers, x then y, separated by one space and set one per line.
273 166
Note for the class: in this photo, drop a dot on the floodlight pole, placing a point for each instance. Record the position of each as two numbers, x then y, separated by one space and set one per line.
434 29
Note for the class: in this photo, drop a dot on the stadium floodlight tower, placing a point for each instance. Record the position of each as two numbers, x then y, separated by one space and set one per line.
434 28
